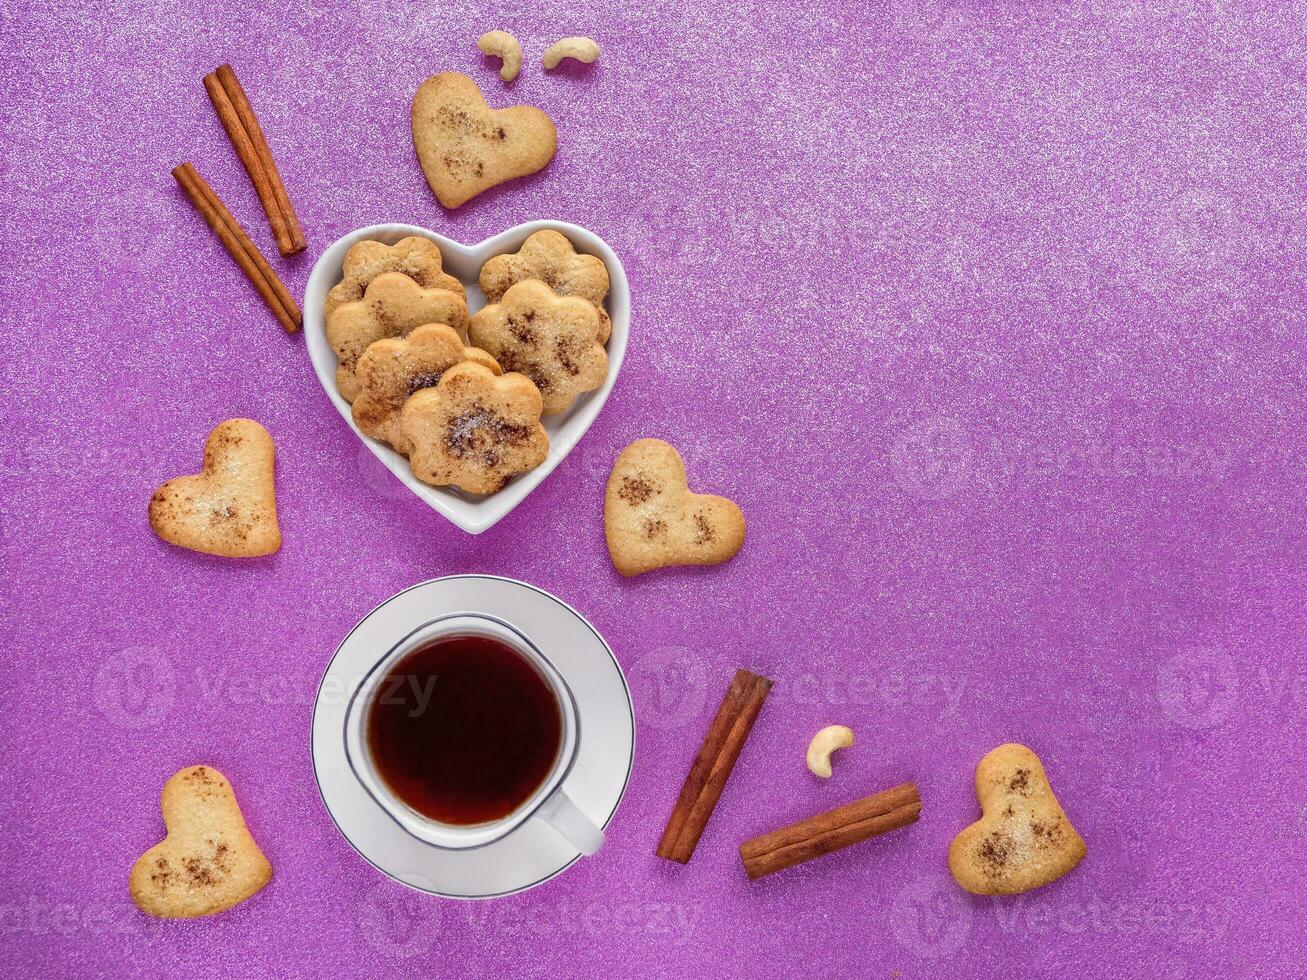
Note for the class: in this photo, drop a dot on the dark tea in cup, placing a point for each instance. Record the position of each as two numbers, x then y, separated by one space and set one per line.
464 729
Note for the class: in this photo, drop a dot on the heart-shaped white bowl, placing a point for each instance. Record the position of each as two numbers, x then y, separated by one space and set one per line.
472 512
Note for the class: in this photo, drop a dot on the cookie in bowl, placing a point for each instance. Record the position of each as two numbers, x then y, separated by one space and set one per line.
392 370
474 430
549 256
552 339
393 305
416 257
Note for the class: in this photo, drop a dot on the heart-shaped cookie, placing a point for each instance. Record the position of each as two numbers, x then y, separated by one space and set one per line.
1024 839
230 507
208 861
465 147
651 519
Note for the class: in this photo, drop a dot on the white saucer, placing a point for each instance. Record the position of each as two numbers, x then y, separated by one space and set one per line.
535 852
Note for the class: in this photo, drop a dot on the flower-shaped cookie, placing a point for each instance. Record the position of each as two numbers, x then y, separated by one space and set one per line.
474 430
393 305
549 256
393 369
418 258
551 339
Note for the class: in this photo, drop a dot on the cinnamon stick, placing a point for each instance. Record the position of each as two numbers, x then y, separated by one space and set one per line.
241 248
831 831
246 135
712 766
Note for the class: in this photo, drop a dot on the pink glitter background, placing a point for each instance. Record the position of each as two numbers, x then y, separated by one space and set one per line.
991 317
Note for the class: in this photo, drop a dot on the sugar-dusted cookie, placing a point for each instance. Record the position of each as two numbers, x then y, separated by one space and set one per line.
417 257
651 519
393 369
551 339
1024 838
474 430
230 507
465 147
392 306
549 256
208 861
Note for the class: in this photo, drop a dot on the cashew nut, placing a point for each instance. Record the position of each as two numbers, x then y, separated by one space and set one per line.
825 742
504 46
580 48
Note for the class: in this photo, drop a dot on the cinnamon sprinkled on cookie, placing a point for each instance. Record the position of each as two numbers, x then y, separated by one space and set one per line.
208 861
1024 839
637 489
391 370
474 430
465 147
230 507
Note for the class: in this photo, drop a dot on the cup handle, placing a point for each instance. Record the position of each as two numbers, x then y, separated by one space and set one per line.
577 829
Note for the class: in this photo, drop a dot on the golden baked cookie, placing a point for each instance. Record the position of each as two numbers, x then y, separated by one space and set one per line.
392 306
418 258
391 370
230 507
652 520
474 430
208 861
465 147
549 256
1024 839
551 339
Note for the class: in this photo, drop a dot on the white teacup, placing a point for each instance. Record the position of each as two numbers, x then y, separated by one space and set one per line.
549 802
